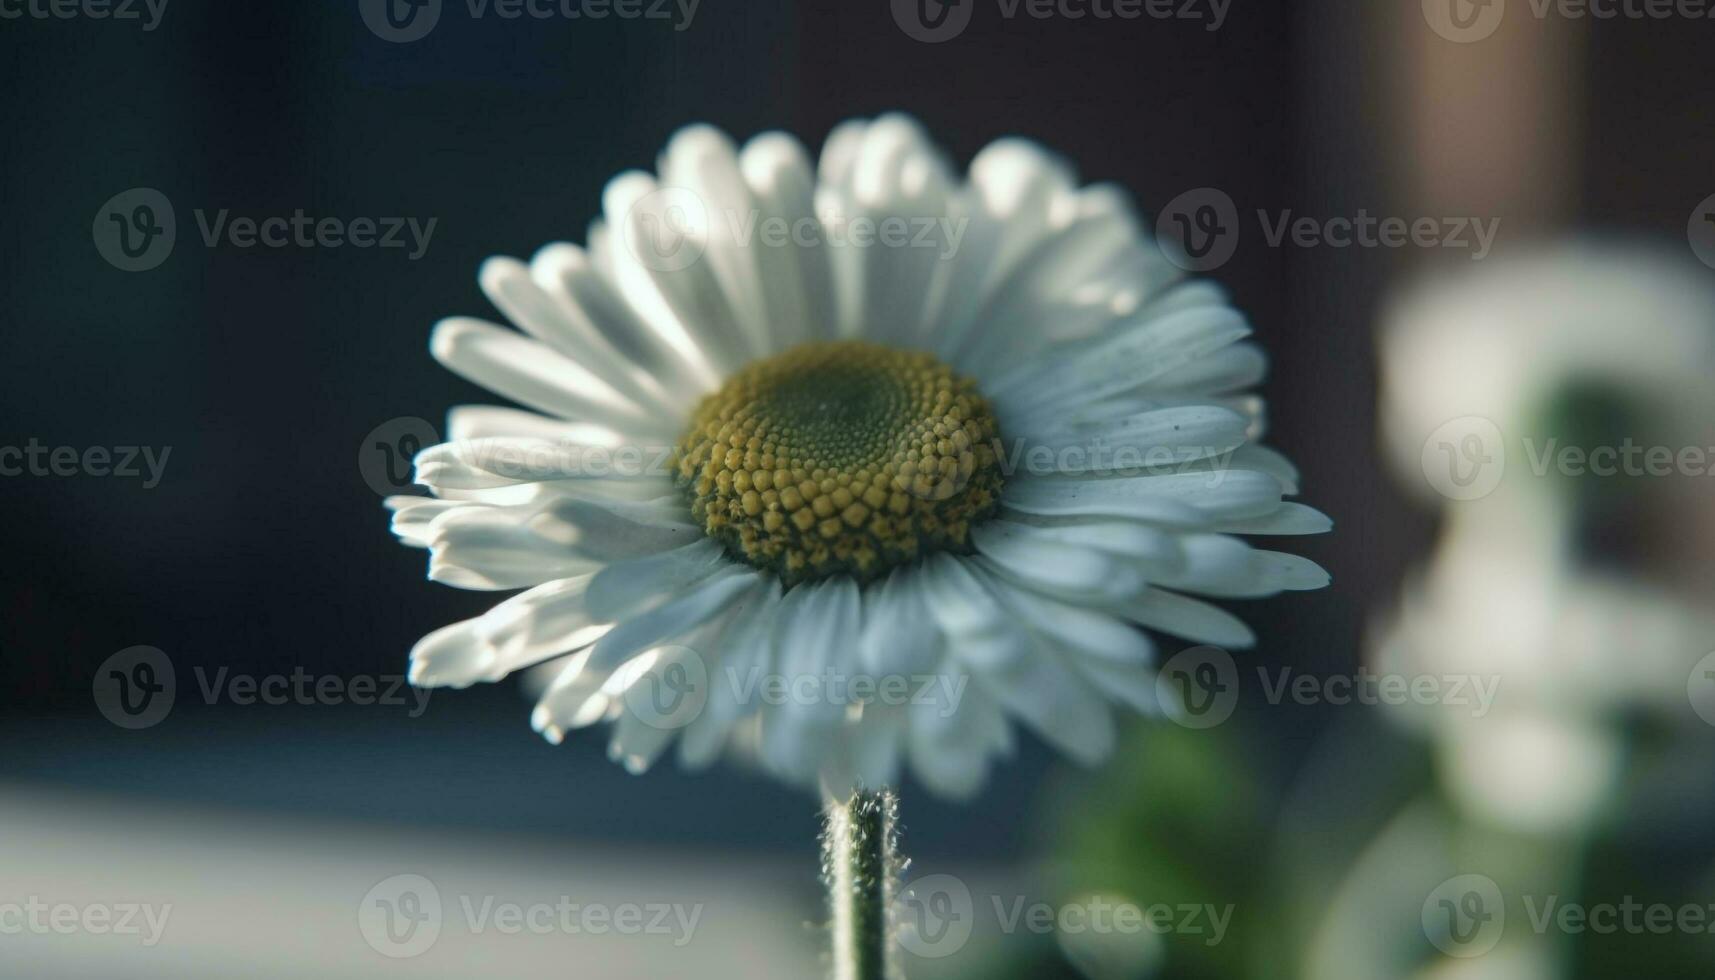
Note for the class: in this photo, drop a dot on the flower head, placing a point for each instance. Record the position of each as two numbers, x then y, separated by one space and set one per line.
849 466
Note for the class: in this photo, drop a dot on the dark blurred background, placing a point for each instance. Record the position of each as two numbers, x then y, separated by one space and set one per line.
264 548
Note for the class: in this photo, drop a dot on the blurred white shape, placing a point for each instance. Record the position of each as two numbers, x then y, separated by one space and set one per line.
1497 342
1567 648
1533 771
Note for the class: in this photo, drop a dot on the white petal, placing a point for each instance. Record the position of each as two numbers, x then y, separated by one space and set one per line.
745 654
1060 706
489 421
896 175
1016 195
1223 566
412 516
900 638
624 588
533 626
1096 268
949 750
840 150
1233 368
1179 498
1183 616
574 276
1289 518
563 326
1145 347
978 631
635 743
608 531
1266 460
1021 554
813 643
797 287
1157 441
683 303
493 548
497 461
704 161
530 373
1076 629
667 623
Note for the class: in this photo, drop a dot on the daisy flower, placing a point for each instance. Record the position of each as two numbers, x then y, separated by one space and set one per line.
848 465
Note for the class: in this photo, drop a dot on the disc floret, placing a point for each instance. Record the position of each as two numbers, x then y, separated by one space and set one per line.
841 457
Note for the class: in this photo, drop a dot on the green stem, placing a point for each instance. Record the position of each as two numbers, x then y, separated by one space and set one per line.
860 864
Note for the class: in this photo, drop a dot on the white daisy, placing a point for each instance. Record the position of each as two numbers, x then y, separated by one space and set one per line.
865 460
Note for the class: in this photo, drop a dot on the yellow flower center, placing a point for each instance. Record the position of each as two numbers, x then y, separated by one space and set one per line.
841 457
